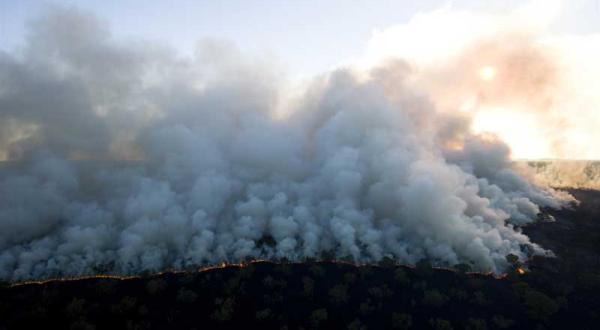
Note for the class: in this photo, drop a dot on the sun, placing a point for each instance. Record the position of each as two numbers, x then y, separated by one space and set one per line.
487 73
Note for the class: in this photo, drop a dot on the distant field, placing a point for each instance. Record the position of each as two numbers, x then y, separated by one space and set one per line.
566 173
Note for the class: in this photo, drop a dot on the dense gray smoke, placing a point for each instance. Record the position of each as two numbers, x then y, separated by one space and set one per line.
123 157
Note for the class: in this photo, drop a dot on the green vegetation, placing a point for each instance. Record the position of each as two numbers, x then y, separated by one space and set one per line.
342 296
554 293
440 324
317 317
434 298
401 321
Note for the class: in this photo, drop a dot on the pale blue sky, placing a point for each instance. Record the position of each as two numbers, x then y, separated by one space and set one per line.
307 36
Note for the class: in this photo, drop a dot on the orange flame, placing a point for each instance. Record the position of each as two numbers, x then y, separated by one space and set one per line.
225 264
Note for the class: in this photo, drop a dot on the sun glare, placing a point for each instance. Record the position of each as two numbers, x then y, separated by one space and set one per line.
518 129
487 73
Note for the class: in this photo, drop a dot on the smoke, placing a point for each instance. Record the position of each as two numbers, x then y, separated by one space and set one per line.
534 89
123 157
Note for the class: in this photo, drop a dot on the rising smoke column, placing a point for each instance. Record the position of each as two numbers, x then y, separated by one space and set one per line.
534 88
122 155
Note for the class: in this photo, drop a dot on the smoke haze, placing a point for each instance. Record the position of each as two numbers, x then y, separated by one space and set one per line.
122 155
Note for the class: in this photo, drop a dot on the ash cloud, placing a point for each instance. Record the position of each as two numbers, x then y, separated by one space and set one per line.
123 157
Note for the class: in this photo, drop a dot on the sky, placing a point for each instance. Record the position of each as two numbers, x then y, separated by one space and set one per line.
307 37
304 39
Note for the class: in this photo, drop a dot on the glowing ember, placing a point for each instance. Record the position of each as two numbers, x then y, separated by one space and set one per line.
222 265
521 271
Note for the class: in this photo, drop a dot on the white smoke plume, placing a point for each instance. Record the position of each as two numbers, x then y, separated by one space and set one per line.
122 156
534 88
